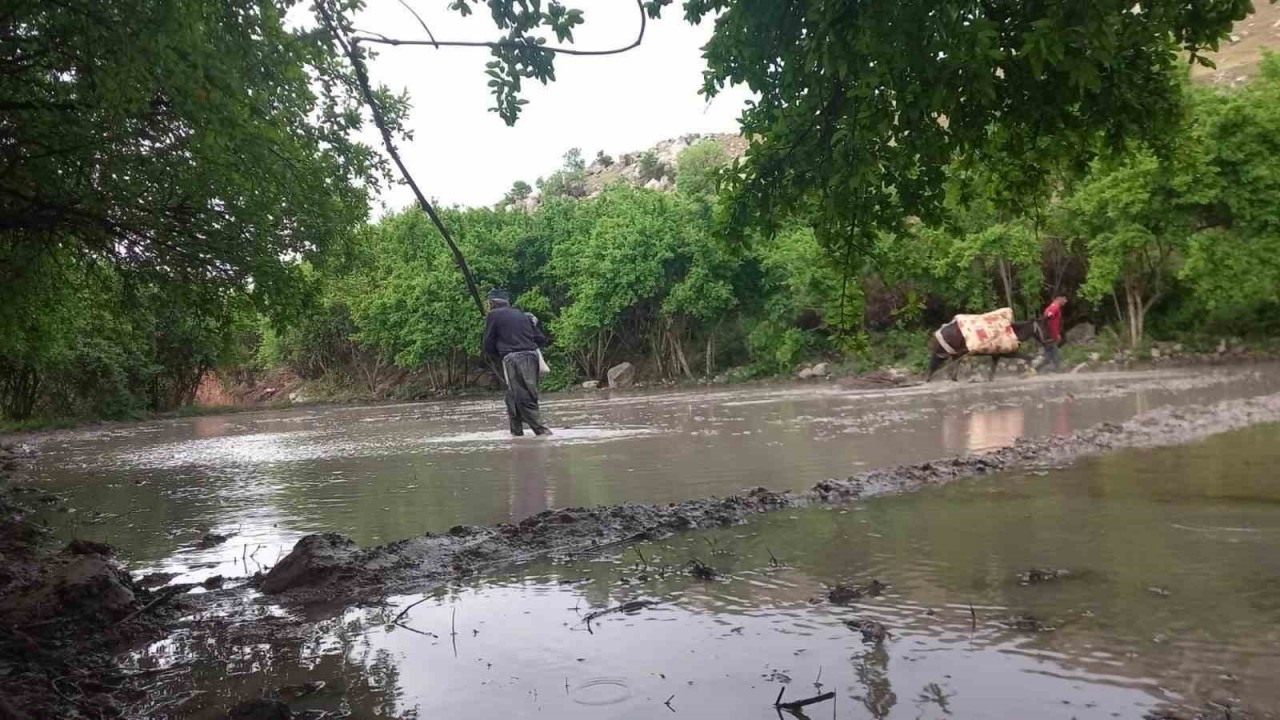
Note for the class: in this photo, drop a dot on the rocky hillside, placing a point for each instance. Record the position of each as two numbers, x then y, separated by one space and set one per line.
1238 58
653 168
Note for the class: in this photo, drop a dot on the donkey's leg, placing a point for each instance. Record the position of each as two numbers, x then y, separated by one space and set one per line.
955 367
935 362
995 360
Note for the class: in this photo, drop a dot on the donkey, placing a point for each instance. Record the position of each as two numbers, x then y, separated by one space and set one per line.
939 356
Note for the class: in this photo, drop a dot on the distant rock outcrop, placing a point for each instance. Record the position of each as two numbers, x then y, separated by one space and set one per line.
654 168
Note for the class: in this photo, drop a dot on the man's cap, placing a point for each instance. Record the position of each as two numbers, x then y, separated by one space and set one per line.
496 294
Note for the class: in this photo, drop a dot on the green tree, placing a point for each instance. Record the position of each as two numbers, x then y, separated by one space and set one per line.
1137 218
519 192
861 106
215 149
569 181
698 168
1233 265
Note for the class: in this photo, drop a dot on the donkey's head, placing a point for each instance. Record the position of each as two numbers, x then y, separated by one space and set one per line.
1031 329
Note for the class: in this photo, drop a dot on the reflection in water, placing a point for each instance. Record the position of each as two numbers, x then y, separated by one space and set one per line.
988 429
531 493
380 474
1201 524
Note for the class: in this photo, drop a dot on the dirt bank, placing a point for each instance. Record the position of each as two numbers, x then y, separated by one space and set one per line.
330 567
65 611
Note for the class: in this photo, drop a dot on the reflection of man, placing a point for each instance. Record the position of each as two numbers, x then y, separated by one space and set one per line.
511 335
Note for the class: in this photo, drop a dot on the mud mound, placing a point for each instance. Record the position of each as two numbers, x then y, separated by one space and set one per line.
66 611
331 567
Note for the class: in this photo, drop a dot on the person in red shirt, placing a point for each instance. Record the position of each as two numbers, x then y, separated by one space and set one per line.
1053 324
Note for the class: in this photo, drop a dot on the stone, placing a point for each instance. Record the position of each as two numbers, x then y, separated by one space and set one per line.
591 385
806 374
1222 347
622 375
821 370
1155 353
1095 356
298 397
1082 333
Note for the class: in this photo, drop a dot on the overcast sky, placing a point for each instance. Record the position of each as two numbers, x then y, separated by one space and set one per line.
464 154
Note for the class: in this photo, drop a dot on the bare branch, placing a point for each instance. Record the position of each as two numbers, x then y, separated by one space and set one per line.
421 22
528 44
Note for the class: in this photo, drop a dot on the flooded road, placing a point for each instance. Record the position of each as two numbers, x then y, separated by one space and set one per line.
1171 598
378 474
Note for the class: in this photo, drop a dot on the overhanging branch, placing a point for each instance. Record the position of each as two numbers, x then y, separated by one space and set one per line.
375 109
528 44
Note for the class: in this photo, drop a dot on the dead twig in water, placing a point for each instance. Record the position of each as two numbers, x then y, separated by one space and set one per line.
667 702
973 618
420 632
627 607
410 607
643 561
798 704
148 606
634 537
453 630
773 559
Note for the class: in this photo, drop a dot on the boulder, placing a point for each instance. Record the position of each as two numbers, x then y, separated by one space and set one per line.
821 370
591 385
1095 357
1081 334
806 374
622 375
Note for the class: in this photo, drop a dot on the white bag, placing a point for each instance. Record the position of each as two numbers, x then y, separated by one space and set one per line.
543 367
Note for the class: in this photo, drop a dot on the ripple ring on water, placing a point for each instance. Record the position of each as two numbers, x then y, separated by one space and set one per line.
602 691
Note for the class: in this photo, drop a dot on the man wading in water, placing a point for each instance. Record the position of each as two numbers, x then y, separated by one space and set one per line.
513 336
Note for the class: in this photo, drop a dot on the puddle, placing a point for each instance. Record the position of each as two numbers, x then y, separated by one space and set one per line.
1156 583
380 474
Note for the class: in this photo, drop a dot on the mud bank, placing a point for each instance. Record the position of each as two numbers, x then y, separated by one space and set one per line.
332 568
65 612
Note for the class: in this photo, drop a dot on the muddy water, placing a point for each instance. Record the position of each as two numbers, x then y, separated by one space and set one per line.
1172 600
384 473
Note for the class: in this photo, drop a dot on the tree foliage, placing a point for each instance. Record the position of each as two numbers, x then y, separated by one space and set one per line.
863 105
181 139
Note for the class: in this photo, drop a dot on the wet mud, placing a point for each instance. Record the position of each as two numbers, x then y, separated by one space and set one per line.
66 614
330 568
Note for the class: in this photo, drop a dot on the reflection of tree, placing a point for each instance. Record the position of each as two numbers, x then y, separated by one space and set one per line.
933 694
872 670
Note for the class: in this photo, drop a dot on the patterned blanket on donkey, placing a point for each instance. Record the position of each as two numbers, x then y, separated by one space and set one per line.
990 333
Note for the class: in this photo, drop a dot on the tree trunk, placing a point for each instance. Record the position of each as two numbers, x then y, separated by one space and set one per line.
1136 312
1006 277
655 347
711 353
